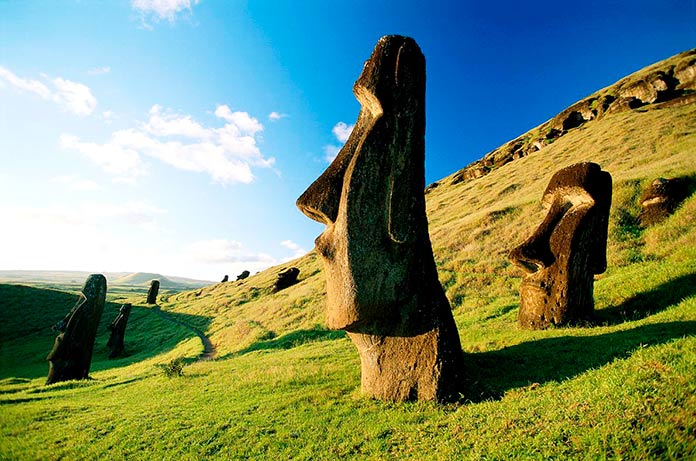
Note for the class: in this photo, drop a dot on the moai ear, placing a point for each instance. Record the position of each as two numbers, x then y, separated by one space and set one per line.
407 178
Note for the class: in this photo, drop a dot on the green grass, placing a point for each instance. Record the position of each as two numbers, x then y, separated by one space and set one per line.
283 386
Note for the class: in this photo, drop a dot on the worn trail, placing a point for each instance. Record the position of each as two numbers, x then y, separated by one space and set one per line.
209 350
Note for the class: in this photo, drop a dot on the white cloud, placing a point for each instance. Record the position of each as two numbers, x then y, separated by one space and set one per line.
163 9
73 96
341 131
295 248
222 251
76 97
227 154
99 70
275 116
76 183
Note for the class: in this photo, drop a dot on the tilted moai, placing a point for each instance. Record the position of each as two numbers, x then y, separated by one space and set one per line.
243 275
566 250
661 199
382 284
118 332
71 356
224 279
153 291
286 278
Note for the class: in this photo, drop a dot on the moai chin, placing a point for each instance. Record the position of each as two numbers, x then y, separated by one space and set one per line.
118 332
566 250
153 291
382 284
71 355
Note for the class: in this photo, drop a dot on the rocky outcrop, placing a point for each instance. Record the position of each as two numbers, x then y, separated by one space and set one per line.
669 82
382 283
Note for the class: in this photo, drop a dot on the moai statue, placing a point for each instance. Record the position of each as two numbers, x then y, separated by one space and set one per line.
286 278
567 249
382 284
153 291
224 279
118 332
243 275
661 199
71 356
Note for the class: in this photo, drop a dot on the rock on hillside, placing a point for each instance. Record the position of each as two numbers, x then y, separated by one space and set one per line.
668 82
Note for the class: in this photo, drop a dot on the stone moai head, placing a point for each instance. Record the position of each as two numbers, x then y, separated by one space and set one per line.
382 284
661 198
371 197
153 292
71 356
566 250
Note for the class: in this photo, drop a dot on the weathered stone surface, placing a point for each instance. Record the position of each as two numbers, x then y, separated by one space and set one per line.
153 292
567 249
118 332
71 356
286 278
661 199
382 284
243 275
224 279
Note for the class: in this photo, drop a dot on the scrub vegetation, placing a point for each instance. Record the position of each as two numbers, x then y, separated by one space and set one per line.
281 386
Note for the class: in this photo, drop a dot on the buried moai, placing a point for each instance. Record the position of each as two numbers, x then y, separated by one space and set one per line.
153 291
661 198
382 283
71 355
118 332
566 250
224 279
286 278
243 275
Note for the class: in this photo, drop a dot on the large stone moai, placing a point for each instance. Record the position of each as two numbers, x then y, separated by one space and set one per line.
153 291
71 356
382 284
118 332
566 250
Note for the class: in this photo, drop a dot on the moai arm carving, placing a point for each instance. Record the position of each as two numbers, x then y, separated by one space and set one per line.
382 284
566 250
71 356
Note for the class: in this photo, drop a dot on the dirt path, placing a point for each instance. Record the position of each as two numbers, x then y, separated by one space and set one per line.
209 351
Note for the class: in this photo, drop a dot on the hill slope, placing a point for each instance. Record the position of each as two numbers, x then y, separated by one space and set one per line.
284 387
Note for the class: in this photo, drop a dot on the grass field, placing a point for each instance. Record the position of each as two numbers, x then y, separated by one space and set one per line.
281 386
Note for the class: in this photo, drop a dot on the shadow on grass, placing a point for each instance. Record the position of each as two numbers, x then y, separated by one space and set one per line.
649 302
491 374
290 340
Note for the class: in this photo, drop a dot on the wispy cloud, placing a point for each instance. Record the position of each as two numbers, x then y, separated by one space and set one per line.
296 249
75 183
275 116
341 131
223 251
163 9
99 70
74 96
227 154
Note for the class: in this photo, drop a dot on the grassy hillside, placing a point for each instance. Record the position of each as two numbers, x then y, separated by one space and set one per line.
282 386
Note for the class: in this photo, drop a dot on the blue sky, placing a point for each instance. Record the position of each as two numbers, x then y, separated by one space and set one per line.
174 136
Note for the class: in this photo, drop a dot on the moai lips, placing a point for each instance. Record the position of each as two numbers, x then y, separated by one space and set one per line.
566 250
382 284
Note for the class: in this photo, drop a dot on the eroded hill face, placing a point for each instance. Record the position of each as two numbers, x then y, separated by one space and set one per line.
668 82
475 223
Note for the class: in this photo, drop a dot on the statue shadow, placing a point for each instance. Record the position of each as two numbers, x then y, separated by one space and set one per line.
289 341
490 374
648 303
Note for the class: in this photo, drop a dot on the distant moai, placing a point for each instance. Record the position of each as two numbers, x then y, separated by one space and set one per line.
224 279
382 283
243 275
118 332
661 199
566 250
286 278
71 355
153 291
